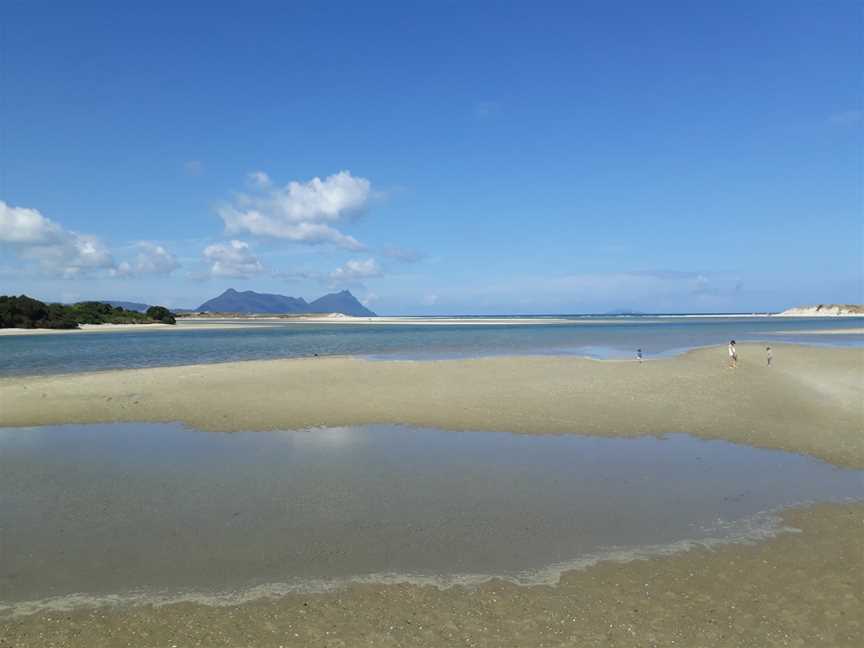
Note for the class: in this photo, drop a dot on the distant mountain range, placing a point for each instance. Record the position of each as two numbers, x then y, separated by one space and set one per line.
248 301
133 306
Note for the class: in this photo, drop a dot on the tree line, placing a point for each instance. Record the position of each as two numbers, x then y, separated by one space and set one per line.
26 312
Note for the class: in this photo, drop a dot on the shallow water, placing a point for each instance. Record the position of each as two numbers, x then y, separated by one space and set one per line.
157 510
608 338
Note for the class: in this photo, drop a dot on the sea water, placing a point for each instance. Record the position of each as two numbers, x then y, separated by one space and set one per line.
607 338
158 512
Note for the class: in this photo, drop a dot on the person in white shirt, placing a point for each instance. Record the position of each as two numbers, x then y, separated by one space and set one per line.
733 355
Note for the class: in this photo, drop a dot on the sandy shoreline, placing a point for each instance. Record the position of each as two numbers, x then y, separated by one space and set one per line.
840 331
808 402
203 323
799 589
379 320
117 328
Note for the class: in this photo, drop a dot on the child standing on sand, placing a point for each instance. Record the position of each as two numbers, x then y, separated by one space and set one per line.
733 355
639 355
768 355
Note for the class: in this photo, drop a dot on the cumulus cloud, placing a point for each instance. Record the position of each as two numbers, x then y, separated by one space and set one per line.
152 259
155 259
259 180
55 249
23 226
356 270
301 212
232 259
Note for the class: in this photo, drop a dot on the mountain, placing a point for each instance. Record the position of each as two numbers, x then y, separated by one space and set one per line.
341 302
132 306
248 301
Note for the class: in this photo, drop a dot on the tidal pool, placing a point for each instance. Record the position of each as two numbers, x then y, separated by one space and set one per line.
117 512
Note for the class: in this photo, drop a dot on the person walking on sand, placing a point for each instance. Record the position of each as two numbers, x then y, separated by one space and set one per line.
733 355
639 355
768 355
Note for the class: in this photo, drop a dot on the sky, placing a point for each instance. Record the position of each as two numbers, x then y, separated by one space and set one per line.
435 157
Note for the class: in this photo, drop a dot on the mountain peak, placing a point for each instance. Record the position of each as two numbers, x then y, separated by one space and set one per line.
340 302
248 301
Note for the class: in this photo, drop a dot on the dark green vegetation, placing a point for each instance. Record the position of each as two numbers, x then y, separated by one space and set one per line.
160 314
26 312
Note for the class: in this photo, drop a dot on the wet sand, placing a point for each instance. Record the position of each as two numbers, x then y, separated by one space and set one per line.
799 589
810 401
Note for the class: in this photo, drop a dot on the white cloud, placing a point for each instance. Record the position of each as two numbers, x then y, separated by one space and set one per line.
152 259
301 212
155 259
123 269
355 270
369 299
259 180
57 250
233 259
23 226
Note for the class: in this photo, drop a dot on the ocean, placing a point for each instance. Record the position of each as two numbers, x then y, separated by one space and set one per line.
607 337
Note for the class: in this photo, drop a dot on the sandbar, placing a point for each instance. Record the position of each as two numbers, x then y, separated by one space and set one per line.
337 318
809 401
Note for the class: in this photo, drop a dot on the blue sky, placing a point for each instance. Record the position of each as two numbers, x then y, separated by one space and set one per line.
435 157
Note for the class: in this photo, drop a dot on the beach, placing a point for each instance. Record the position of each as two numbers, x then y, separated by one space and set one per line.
431 325
798 583
809 401
117 328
